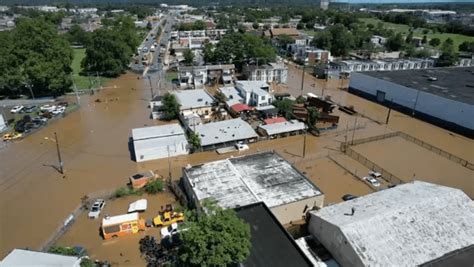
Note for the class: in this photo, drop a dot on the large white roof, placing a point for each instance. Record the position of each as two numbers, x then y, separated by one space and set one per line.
404 226
283 127
157 131
197 98
22 257
224 131
249 179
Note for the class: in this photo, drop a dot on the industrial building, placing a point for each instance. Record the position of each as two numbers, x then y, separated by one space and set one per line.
158 142
409 225
262 177
224 133
271 243
442 96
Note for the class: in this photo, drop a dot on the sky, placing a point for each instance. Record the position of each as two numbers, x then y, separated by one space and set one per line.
400 1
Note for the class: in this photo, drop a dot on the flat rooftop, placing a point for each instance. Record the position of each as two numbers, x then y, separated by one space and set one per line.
224 131
407 225
271 243
455 83
157 131
249 179
283 127
197 98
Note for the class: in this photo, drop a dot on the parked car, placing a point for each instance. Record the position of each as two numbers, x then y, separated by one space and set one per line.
96 208
241 146
372 181
48 108
16 109
39 120
348 197
58 110
169 230
29 109
375 174
63 104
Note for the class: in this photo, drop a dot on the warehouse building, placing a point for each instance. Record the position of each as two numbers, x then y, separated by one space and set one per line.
23 257
271 245
224 133
262 177
408 225
442 96
158 142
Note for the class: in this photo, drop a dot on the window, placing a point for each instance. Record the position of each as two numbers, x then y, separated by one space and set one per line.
262 98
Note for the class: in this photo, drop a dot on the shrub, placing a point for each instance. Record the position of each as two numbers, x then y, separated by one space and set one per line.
154 187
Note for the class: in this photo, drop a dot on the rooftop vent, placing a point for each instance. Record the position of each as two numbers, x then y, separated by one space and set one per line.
199 99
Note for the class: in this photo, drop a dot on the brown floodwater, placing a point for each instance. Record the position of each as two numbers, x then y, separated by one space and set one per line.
35 199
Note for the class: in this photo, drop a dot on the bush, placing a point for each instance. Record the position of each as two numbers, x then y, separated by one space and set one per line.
68 251
86 262
121 192
154 187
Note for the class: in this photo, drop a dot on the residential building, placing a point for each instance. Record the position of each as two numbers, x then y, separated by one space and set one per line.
272 72
232 96
23 257
271 244
466 60
254 93
309 55
198 76
442 96
413 224
158 142
224 133
276 32
378 40
262 177
281 129
195 101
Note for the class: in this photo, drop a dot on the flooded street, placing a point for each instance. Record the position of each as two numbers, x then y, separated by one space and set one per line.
35 199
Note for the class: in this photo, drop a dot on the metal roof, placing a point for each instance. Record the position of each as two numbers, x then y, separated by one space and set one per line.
249 179
407 225
22 257
232 95
283 127
253 87
197 98
156 131
224 131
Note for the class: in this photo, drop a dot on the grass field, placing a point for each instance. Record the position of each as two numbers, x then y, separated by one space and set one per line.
84 82
404 29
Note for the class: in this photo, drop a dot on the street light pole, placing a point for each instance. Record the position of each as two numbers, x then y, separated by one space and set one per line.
61 164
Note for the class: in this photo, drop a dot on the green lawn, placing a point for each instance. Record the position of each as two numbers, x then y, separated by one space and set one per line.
84 82
457 38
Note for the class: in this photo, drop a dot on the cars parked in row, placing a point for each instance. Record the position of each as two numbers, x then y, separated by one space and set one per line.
16 109
373 178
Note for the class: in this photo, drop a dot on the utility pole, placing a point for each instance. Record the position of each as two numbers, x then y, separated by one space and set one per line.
61 164
302 80
389 110
416 101
353 131
169 163
75 90
304 144
31 90
151 86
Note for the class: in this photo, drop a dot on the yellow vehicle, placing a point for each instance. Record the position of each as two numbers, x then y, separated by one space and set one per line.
11 136
167 218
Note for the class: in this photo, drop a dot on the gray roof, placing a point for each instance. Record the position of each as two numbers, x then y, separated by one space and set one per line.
224 131
157 131
208 67
193 99
454 83
232 95
283 127
21 257
249 179
404 226
253 86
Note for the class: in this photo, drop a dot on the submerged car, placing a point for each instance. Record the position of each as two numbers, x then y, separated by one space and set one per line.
372 181
348 197
11 136
96 208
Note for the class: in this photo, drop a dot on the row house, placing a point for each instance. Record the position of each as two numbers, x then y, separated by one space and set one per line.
272 72
198 76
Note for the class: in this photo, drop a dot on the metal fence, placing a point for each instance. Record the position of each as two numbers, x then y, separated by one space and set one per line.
71 218
438 151
345 145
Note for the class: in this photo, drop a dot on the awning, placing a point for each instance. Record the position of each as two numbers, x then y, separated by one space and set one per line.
139 205
240 107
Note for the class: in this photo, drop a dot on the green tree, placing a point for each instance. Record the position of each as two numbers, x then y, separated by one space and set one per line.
284 40
467 46
87 262
285 108
255 25
395 43
188 56
154 187
76 35
448 57
198 25
434 42
218 238
208 52
312 116
409 38
424 40
34 54
195 141
170 107
68 251
220 97
149 26
323 40
342 40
